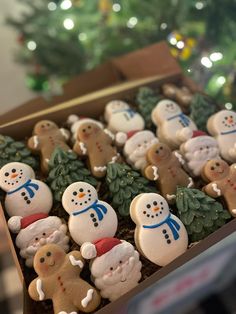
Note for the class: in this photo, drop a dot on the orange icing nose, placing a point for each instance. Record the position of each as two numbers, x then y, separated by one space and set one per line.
155 209
80 195
230 120
14 175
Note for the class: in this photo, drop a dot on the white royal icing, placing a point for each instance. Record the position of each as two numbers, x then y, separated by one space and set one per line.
109 133
170 196
215 189
75 262
114 159
40 290
83 148
180 158
155 170
64 133
36 141
88 298
100 168
190 182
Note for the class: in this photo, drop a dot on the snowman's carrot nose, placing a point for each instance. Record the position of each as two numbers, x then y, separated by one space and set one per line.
14 175
155 209
230 120
80 195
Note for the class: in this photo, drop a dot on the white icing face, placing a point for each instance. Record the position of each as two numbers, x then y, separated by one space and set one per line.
78 196
225 121
201 148
149 209
114 106
14 175
165 109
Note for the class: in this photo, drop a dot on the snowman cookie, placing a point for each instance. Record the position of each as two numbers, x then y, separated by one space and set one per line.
222 178
165 168
90 219
222 125
198 150
121 118
59 280
47 136
159 236
174 127
24 194
115 266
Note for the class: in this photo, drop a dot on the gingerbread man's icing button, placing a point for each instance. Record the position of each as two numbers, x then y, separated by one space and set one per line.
160 238
90 219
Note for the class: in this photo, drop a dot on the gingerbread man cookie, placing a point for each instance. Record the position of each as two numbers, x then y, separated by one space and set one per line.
165 168
96 143
222 125
222 178
47 136
174 127
159 236
59 280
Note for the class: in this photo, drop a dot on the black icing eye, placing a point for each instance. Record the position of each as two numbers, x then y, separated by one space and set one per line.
157 151
161 203
207 147
201 148
49 254
212 168
84 130
13 170
148 206
89 127
144 212
155 203
89 191
74 193
48 124
44 234
111 268
120 262
42 259
217 164
231 117
161 148
81 190
6 174
36 239
225 118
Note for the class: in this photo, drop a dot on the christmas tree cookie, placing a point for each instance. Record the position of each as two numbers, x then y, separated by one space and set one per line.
11 150
124 184
200 213
65 168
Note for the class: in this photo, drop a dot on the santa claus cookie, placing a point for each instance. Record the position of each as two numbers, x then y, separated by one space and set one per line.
47 136
37 230
115 266
96 143
165 168
121 118
159 236
198 150
90 219
24 195
222 178
174 127
222 125
59 280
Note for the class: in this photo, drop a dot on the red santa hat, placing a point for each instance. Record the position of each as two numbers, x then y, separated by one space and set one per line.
122 137
197 133
16 223
98 248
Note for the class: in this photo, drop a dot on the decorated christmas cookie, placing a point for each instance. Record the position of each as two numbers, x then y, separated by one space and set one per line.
115 267
165 168
160 236
90 219
222 125
25 195
174 127
75 122
198 150
37 230
47 136
182 95
136 147
222 178
59 280
121 118
96 143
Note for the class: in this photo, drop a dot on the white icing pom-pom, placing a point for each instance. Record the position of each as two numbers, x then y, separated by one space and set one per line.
14 224
72 119
88 250
121 138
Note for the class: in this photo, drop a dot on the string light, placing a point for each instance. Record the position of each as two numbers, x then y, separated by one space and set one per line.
221 80
82 36
31 45
163 26
52 6
229 106
116 7
180 44
206 62
199 5
173 41
68 24
216 56
132 22
66 4
189 70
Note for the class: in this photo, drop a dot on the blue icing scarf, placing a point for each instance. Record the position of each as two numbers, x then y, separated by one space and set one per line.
183 118
100 210
172 224
228 132
30 187
130 112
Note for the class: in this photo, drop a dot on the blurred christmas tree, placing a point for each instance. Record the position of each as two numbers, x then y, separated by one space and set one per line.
61 38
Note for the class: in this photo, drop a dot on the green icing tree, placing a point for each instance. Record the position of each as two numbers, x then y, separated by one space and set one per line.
147 100
200 213
66 168
202 107
124 184
13 151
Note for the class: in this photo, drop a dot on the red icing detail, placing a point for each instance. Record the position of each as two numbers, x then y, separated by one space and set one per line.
131 133
197 133
26 221
105 245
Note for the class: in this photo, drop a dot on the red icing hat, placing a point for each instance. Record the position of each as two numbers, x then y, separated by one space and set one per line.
16 223
131 133
197 133
99 247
